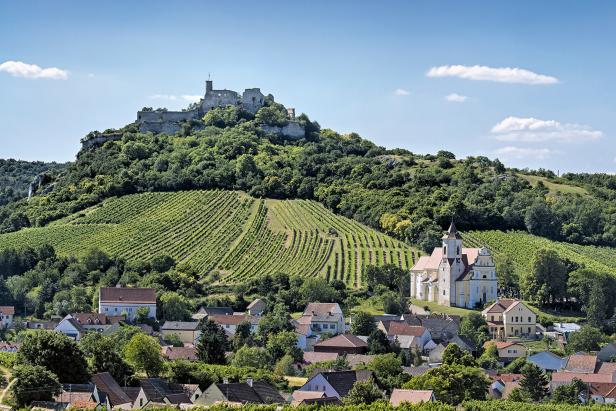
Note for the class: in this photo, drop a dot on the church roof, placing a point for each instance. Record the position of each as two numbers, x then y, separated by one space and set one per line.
452 232
425 263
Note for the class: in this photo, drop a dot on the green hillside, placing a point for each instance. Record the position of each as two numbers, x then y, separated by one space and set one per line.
227 232
521 248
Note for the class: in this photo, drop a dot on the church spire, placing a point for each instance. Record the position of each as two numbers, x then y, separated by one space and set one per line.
452 232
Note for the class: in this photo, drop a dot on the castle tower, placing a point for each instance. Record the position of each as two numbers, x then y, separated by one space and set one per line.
452 243
208 86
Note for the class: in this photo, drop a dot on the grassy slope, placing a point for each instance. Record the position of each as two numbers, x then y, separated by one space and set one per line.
224 231
554 188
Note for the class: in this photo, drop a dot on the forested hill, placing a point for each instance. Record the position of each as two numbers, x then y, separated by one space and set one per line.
16 176
407 195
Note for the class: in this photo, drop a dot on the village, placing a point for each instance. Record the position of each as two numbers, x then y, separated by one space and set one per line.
327 354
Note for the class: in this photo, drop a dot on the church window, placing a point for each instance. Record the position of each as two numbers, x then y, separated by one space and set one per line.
445 250
443 292
458 250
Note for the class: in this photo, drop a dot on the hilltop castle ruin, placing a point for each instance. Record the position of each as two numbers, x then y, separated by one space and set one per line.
251 100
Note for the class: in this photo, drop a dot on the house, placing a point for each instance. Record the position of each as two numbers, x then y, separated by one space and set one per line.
356 360
126 301
561 378
547 361
442 327
336 383
509 318
313 397
342 344
71 328
187 331
98 322
7 312
249 392
607 352
159 391
312 357
109 392
408 336
323 318
503 384
602 392
230 322
82 396
399 396
257 307
508 351
581 363
180 353
204 312
6 346
454 275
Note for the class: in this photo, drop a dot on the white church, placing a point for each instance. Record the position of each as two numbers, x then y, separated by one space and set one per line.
455 276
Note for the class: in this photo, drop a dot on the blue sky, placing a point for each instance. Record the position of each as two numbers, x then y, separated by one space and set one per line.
382 69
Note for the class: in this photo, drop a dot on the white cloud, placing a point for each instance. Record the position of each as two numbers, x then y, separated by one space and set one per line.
536 130
21 69
524 153
456 98
401 92
498 74
171 97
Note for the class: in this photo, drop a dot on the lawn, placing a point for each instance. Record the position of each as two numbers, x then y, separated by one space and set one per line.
554 187
442 309
372 306
558 316
296 381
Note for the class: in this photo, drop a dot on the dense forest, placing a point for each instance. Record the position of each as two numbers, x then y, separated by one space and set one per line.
404 194
16 176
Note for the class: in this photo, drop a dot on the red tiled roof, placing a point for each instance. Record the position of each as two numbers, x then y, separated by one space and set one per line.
500 344
322 309
606 368
581 363
603 389
567 377
343 340
402 328
398 396
127 295
94 318
311 357
180 353
7 309
432 262
500 306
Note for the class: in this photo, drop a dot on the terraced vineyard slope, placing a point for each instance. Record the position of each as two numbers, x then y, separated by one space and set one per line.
224 231
521 248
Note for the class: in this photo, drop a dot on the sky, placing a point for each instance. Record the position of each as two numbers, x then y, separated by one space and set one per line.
528 82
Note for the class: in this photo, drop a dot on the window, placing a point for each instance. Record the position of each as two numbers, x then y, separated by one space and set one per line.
443 292
491 318
529 320
529 330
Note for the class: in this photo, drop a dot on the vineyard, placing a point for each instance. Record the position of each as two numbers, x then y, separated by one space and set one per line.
521 248
224 232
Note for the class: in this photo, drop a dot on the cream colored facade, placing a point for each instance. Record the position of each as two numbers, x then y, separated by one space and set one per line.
510 319
455 276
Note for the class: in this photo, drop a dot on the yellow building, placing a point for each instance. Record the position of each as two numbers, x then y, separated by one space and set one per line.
186 330
508 318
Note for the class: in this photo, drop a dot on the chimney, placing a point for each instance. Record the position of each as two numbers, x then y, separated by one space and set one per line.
225 381
249 382
291 113
208 86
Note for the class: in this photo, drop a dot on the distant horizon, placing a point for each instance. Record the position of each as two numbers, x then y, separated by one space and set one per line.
495 80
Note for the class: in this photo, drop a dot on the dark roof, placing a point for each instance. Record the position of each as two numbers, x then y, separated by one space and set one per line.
259 393
132 295
342 381
106 384
132 392
75 324
452 232
157 389
88 387
180 325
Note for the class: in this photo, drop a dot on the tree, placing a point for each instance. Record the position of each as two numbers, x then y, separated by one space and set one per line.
57 353
162 263
362 323
454 355
378 343
534 382
546 282
317 289
284 366
387 369
255 357
516 366
34 383
475 327
284 343
175 306
569 393
388 275
212 344
452 383
144 354
363 392
595 310
489 359
274 322
242 336
586 339
103 356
